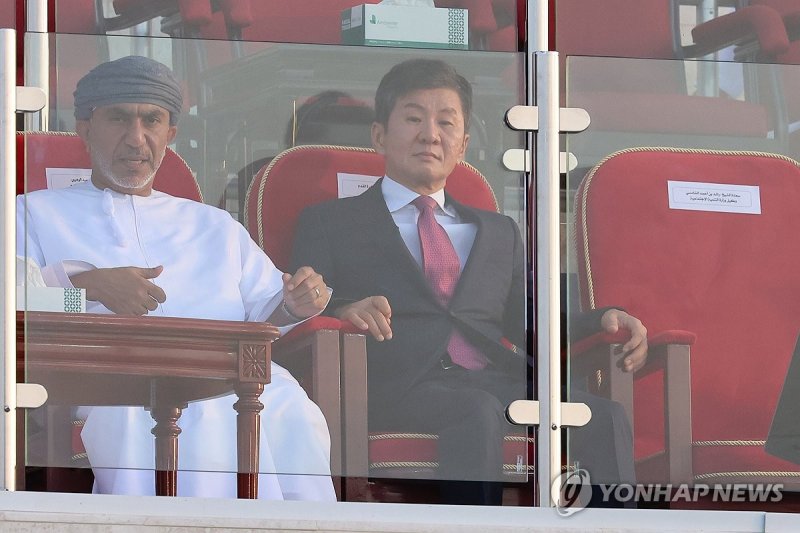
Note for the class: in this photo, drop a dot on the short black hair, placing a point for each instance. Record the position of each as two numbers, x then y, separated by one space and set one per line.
417 74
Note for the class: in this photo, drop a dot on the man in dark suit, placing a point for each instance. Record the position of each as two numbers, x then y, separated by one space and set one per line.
438 285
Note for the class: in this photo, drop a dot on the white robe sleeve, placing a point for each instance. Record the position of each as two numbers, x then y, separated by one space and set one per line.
261 284
27 243
54 275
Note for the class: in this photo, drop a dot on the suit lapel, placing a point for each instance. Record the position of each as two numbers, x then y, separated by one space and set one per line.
471 274
373 217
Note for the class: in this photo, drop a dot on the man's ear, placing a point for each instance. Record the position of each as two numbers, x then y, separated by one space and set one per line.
82 129
173 131
378 134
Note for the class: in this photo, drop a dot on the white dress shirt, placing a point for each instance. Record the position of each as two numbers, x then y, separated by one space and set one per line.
398 199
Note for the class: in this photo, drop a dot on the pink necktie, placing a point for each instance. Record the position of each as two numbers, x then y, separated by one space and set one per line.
441 266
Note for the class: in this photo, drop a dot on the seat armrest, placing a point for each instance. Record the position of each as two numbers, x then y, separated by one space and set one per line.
759 27
354 404
319 323
311 353
329 359
238 13
674 336
596 360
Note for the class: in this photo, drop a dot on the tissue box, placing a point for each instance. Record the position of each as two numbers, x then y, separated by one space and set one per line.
56 299
404 26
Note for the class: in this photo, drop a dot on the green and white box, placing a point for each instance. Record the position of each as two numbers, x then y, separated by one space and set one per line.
56 299
405 26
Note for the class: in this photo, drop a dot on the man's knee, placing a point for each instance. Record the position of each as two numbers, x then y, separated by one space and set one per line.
482 411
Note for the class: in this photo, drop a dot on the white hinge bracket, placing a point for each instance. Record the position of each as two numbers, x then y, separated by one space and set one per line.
526 118
526 413
519 160
30 395
30 99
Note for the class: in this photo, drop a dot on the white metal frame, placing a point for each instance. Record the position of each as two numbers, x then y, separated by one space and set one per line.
37 60
542 77
543 93
8 172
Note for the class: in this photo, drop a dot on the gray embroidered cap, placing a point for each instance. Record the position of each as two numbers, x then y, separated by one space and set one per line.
131 79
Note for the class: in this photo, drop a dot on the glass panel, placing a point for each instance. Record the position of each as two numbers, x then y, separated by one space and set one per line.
695 238
458 24
240 114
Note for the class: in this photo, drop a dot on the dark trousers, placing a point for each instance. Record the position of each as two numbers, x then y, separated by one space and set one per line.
467 410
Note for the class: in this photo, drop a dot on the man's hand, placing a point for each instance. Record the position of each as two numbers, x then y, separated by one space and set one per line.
635 350
123 290
373 314
305 293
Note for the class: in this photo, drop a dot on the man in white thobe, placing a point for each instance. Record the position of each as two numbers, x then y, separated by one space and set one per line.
139 251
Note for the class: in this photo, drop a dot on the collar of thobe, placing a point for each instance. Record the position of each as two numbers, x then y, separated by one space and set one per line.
110 212
107 197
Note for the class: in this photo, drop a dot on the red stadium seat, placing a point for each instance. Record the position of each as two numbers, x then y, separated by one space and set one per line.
37 151
728 278
633 103
284 21
790 75
276 198
306 175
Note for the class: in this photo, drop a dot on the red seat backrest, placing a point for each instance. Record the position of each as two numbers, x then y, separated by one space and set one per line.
630 95
8 14
618 28
784 7
193 13
38 151
307 175
285 21
790 10
731 278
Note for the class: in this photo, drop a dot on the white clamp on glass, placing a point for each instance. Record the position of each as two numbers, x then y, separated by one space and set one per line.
519 160
30 395
526 118
526 413
30 99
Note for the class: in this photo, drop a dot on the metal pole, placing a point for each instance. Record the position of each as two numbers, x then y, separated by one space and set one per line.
8 172
543 92
537 26
37 61
548 300
707 80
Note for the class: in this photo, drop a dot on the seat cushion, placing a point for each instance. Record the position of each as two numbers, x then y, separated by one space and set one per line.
414 455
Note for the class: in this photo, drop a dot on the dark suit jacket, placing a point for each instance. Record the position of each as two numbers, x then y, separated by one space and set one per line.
356 246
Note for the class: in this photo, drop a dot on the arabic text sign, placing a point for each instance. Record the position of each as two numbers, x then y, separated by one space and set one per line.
717 197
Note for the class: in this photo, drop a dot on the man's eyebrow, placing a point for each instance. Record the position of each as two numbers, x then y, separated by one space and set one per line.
114 110
414 105
154 113
123 111
448 110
